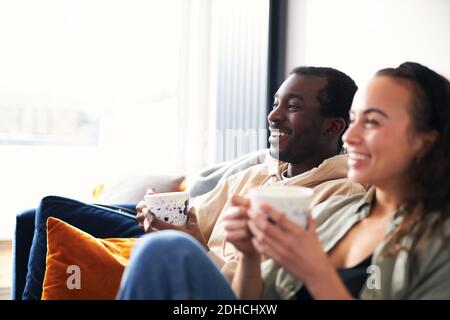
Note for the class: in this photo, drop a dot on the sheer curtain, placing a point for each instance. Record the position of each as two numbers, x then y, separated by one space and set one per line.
240 50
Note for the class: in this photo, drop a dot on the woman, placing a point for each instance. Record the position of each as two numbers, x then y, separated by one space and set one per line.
391 243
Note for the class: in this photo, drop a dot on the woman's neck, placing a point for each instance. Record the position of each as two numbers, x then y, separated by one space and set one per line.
388 198
385 202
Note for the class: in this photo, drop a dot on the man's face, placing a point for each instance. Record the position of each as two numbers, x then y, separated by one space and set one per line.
295 121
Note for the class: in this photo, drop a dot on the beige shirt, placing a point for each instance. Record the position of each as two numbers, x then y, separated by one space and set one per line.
328 179
420 271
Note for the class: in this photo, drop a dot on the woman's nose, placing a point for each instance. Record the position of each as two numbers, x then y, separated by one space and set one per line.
352 135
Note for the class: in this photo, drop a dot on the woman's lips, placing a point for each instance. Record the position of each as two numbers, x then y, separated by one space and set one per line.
357 159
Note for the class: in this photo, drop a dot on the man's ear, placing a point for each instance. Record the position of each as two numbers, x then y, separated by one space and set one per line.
334 126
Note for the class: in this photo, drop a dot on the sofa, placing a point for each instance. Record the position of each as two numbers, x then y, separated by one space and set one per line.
113 200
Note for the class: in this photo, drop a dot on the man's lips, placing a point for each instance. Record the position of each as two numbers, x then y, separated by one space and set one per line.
278 133
278 138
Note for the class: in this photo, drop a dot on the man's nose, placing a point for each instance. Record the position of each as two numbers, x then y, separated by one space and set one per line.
277 114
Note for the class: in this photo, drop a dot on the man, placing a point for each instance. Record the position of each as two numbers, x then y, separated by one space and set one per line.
310 114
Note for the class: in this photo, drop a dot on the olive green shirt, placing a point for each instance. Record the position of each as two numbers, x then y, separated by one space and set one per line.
419 271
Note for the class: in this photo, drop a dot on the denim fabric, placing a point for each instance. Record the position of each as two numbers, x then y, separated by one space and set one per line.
98 221
171 265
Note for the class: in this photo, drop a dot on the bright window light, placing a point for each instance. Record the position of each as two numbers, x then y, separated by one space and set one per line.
89 89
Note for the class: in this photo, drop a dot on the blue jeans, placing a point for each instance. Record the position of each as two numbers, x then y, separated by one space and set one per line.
30 241
171 265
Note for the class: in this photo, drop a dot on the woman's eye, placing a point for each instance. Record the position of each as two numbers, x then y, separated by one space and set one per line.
274 105
372 122
293 106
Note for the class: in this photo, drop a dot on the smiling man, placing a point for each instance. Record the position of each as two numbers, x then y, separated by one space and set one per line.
310 114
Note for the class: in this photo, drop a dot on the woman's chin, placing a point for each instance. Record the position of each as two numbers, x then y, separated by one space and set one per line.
358 177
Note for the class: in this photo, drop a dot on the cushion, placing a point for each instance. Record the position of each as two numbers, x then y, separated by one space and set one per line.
80 266
131 189
98 221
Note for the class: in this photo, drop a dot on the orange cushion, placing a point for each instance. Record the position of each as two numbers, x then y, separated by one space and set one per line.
80 266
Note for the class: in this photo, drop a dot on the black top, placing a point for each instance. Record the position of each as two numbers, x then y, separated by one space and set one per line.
353 279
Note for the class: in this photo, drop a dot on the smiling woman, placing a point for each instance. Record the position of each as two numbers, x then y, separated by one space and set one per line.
397 143
382 141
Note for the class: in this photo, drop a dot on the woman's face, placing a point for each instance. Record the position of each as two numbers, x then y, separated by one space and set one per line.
381 140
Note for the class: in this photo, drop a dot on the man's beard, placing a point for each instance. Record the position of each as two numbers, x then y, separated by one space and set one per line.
294 154
282 155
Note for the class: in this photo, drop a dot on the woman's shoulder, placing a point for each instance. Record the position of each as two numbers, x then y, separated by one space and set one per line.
341 205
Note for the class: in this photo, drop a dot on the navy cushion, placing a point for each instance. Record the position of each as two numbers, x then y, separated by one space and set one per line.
23 238
98 221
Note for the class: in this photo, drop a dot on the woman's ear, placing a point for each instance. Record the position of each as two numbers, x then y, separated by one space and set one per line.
428 140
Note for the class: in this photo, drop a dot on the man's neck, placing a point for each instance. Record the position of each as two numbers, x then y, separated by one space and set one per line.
294 169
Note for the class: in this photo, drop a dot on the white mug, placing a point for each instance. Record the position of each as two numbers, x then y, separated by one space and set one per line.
171 207
293 201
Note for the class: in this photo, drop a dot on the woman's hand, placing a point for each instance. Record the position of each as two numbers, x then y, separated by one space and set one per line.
296 249
236 228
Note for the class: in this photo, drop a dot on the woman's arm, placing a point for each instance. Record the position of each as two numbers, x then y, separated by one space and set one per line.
247 282
327 285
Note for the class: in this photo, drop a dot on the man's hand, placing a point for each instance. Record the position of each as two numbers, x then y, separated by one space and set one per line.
144 216
237 231
150 223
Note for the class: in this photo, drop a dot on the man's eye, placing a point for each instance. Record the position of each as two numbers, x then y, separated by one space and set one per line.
293 107
274 105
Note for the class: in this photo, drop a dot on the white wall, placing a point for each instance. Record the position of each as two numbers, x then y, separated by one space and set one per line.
361 36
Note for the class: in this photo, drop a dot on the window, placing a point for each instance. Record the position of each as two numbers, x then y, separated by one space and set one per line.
94 89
